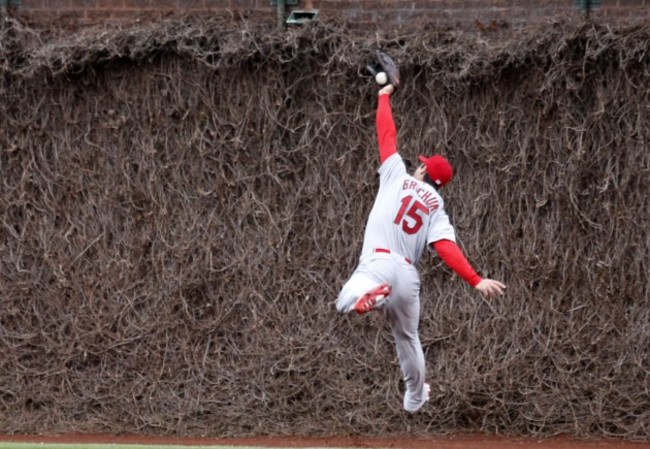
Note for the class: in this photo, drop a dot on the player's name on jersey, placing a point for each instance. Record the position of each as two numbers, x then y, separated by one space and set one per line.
426 195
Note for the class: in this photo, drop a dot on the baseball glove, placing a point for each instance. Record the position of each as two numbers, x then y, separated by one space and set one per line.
385 64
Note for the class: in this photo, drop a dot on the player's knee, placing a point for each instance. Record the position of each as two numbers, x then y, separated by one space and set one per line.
342 305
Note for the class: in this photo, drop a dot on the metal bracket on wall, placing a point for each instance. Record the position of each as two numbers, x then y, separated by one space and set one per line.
281 7
302 17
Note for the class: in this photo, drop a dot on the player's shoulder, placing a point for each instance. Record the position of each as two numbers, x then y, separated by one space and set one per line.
393 159
394 163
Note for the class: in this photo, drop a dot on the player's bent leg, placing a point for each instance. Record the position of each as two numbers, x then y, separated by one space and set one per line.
350 293
345 301
363 280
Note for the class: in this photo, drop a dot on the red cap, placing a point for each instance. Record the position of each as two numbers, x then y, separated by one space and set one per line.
438 168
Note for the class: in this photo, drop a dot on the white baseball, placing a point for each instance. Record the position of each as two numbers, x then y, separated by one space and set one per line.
381 78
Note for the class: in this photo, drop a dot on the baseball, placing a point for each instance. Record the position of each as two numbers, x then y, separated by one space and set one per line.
381 78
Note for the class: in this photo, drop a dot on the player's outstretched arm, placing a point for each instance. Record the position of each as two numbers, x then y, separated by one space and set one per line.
451 254
386 131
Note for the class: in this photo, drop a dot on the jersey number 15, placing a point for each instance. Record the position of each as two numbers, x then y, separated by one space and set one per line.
415 210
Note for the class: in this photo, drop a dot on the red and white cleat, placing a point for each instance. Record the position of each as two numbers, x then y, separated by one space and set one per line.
373 299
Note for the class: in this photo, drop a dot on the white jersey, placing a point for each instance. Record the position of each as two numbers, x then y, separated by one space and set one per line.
407 215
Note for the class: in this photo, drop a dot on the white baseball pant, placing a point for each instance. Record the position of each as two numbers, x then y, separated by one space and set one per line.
402 310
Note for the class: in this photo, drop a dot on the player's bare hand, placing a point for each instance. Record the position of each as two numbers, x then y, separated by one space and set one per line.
490 288
388 89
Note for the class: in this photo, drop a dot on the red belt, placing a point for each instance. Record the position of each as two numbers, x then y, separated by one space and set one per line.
387 251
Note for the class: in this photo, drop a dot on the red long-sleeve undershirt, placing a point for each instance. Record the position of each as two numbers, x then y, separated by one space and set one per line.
451 255
386 132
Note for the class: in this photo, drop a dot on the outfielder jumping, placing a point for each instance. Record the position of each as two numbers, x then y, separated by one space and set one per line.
407 216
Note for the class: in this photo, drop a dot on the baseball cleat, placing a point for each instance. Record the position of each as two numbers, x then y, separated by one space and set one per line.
372 299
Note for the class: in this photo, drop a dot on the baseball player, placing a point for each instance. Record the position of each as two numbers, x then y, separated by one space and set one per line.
407 216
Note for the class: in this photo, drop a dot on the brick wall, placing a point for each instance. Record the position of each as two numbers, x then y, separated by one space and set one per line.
396 13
